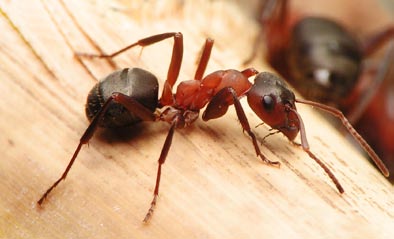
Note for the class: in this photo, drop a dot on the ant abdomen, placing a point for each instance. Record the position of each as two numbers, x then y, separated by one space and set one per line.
135 82
324 57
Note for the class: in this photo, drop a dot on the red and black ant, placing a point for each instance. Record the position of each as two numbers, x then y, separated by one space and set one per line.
326 63
129 96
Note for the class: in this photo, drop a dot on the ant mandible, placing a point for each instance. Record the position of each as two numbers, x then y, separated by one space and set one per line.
129 96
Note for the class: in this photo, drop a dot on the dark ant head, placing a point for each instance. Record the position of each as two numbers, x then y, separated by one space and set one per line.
274 103
324 59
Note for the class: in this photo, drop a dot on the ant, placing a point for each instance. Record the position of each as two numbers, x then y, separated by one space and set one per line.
129 96
327 64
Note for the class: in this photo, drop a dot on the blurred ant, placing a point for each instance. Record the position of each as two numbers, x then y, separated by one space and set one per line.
130 95
325 63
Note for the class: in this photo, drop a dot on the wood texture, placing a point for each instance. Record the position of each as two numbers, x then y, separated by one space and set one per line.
213 185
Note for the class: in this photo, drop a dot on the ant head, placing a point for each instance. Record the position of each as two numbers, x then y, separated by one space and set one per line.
274 103
324 59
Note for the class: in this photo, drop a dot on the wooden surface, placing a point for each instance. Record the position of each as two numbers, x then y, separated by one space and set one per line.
213 186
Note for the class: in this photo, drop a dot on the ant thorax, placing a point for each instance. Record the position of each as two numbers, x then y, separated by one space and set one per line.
182 117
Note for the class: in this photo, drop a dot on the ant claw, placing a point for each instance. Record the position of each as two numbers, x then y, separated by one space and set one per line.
269 162
87 55
149 214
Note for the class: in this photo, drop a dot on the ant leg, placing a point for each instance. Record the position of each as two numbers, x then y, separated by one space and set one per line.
273 15
131 104
276 131
162 158
142 42
376 41
363 92
173 70
337 113
205 55
364 95
218 106
248 72
274 12
175 64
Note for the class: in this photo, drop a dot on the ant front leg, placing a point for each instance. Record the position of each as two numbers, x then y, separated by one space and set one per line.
218 106
132 105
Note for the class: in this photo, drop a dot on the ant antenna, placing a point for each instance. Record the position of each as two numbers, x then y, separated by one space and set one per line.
305 147
337 113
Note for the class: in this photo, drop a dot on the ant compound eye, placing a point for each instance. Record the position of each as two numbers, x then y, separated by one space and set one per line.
268 102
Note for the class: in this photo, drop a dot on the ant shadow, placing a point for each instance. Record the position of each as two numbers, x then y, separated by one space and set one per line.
130 133
123 134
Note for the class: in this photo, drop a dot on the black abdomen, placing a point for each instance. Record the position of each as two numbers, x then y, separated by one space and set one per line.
324 60
134 82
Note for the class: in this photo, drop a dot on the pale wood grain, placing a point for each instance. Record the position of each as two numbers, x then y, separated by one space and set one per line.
213 186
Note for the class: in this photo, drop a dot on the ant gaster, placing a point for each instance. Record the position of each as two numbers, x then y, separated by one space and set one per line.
128 96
